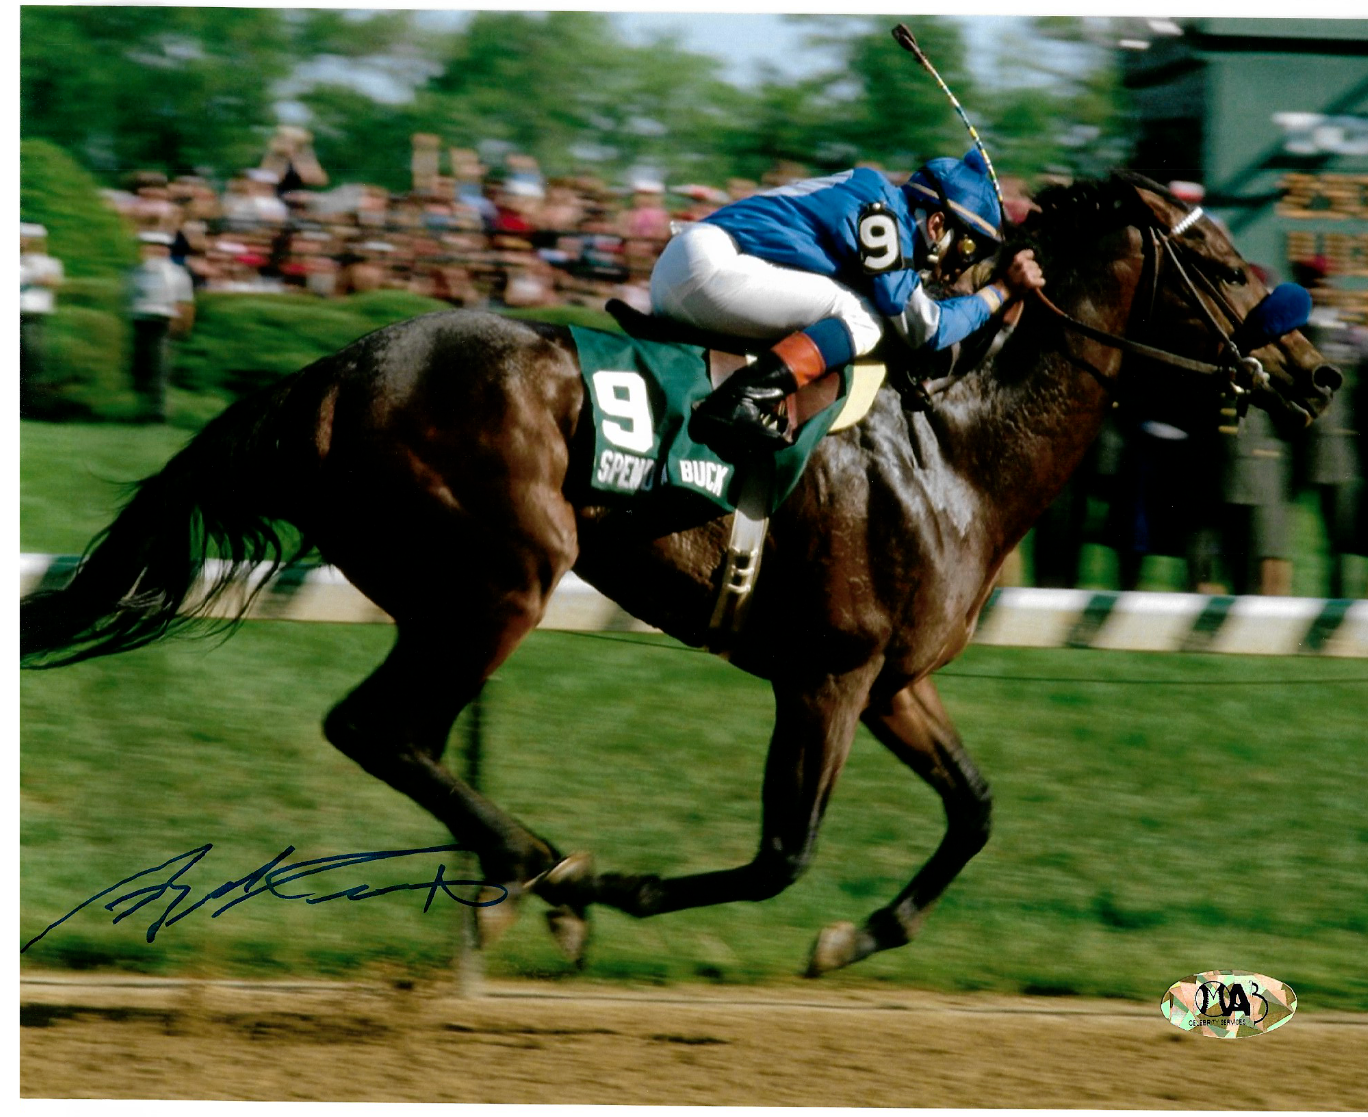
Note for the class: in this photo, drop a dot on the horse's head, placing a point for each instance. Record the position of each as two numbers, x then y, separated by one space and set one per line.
1203 301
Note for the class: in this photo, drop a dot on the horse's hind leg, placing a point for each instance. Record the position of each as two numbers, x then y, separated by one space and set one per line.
914 726
495 536
396 725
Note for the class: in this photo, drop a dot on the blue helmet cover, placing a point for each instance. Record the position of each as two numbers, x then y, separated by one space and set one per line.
1284 309
965 186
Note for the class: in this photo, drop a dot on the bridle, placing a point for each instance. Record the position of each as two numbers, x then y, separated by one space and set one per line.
1243 374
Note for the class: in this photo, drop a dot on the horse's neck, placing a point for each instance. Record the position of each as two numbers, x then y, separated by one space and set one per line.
1025 422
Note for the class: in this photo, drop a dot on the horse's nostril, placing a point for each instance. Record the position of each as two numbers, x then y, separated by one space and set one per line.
1328 379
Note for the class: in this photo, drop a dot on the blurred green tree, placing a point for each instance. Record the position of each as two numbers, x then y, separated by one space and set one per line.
157 87
565 87
180 89
339 33
670 105
359 139
1060 110
541 82
898 116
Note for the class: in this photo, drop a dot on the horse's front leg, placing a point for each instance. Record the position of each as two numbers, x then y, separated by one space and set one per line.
914 726
813 728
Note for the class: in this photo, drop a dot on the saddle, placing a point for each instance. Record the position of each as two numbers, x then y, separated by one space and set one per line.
725 355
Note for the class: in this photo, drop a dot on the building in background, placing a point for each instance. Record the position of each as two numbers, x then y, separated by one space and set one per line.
1271 117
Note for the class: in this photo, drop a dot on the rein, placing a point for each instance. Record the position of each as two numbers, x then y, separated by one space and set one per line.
1244 373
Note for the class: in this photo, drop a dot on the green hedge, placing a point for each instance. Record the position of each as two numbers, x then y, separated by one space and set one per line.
83 231
87 365
241 341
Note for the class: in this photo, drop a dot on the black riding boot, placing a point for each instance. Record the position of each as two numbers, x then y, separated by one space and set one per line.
743 413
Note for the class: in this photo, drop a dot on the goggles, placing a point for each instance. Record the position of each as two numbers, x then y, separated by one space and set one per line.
957 248
966 251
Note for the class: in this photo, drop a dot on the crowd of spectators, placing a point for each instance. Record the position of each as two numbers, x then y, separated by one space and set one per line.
467 234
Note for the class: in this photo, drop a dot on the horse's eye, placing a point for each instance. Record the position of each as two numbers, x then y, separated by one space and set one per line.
1235 277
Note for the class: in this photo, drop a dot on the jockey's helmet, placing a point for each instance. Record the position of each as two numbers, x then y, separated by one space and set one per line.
962 190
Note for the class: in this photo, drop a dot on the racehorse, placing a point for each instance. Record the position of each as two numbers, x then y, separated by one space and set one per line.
455 438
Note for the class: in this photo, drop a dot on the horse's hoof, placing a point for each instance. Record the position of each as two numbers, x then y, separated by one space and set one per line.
570 929
836 947
560 884
493 921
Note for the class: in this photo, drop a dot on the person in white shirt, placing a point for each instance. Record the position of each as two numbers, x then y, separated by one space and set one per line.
161 304
39 277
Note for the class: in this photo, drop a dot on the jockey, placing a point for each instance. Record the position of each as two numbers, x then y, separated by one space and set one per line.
827 264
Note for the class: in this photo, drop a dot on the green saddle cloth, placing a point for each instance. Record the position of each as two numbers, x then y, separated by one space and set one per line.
642 394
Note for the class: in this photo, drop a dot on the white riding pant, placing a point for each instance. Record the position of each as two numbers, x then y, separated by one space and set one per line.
702 279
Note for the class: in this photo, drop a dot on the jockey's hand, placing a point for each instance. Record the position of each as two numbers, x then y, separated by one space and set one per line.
1023 275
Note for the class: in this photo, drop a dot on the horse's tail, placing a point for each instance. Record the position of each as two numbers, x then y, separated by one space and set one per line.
135 583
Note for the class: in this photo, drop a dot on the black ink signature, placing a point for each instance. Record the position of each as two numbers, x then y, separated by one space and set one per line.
269 878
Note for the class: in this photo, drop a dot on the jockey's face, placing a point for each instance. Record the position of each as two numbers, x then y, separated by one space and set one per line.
946 251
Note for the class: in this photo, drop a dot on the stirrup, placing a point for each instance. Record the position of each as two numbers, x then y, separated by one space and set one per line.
741 570
741 427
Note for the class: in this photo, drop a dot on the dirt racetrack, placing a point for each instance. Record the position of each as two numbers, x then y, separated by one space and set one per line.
809 1044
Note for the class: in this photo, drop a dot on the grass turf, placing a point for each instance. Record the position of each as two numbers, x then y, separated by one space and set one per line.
1155 815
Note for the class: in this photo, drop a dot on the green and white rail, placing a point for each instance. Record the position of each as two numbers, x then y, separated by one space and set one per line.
1014 617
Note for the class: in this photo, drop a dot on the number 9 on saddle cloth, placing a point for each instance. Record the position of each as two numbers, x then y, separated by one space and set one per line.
642 393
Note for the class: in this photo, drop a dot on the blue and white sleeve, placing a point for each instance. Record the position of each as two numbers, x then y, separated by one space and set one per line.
926 322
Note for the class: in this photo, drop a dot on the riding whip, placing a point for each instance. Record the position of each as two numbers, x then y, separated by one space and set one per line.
908 42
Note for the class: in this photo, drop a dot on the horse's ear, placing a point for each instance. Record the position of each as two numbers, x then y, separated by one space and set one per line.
1143 201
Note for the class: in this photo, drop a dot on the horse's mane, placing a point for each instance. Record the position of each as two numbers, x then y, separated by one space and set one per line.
1090 207
1064 231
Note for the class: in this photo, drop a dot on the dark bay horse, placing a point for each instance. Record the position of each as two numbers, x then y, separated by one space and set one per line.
449 442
